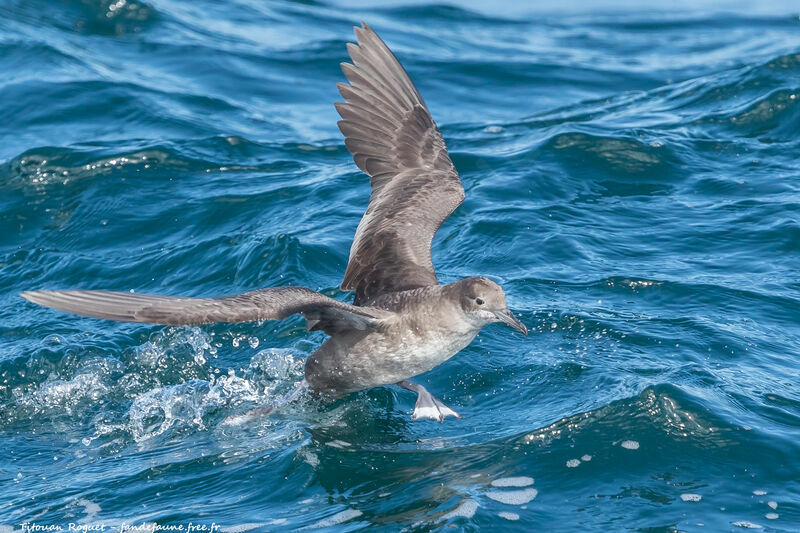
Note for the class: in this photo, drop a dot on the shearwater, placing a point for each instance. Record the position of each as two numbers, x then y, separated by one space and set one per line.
402 323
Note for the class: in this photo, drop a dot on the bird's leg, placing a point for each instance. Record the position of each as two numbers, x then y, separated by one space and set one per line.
427 406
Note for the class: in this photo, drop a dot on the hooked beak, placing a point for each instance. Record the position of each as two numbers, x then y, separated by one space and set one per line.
506 316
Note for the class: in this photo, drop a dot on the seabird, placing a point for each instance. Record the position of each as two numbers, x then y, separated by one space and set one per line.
402 323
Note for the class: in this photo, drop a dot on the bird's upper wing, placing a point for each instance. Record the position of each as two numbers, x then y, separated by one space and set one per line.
320 311
415 186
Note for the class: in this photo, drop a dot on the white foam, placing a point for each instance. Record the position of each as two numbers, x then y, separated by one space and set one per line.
466 509
519 481
773 505
157 410
771 516
90 508
275 364
586 458
630 444
509 516
747 525
513 497
573 463
691 497
61 394
760 492
338 518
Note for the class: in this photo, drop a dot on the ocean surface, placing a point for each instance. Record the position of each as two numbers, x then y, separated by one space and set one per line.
632 180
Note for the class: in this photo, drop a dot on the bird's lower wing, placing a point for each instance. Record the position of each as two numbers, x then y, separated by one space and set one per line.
276 303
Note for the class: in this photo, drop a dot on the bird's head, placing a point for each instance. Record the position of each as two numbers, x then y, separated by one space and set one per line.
484 302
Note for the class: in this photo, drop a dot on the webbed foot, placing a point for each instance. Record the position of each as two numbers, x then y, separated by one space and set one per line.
427 406
431 407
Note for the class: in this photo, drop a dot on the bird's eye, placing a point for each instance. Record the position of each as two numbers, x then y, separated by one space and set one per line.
478 301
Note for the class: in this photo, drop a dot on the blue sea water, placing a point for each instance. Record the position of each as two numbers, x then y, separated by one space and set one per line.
631 172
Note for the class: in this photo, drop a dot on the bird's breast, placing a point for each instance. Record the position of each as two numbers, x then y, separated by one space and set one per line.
411 353
403 350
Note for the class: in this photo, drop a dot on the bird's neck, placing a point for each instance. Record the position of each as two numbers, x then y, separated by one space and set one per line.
448 304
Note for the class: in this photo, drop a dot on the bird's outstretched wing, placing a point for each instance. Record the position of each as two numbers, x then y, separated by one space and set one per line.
415 186
320 311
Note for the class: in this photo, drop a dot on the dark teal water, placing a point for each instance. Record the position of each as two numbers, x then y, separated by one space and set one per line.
632 180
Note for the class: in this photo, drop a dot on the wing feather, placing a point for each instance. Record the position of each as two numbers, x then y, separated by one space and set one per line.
415 187
276 303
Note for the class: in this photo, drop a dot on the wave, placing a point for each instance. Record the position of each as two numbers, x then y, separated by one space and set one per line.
762 91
